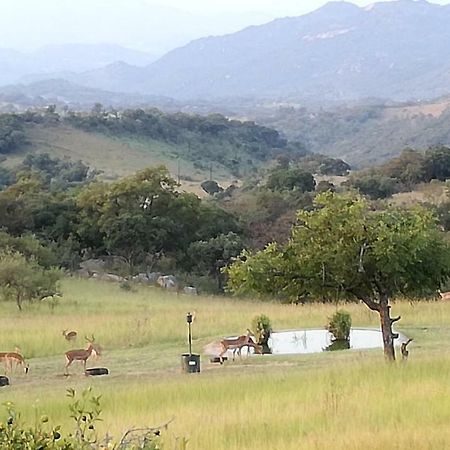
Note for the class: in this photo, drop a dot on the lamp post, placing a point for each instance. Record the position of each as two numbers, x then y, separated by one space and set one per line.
190 362
189 321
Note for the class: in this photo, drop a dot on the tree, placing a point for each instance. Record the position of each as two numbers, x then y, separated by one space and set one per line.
288 179
343 249
211 187
211 255
23 279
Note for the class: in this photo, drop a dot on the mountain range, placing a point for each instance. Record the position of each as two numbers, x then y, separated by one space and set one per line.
64 61
398 50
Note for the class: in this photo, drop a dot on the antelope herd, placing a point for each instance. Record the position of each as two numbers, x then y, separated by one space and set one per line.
11 359
237 344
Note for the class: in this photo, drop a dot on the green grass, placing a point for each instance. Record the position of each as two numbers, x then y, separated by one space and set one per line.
341 400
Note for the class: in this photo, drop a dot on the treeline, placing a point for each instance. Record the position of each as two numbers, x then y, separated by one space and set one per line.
143 220
231 143
365 135
403 173
239 146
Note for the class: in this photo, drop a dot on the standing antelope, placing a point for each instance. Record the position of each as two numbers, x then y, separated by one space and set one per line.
81 354
236 344
70 336
13 357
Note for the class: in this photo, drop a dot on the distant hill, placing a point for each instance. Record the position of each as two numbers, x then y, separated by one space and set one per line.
362 135
62 93
398 49
56 60
119 143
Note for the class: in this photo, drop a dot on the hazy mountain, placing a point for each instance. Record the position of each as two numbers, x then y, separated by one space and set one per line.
57 61
19 97
395 49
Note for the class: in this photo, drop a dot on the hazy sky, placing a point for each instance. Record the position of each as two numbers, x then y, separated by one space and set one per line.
152 25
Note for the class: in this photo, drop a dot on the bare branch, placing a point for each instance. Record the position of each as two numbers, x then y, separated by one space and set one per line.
395 319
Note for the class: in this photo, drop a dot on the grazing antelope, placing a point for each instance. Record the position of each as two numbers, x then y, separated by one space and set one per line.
81 354
13 357
70 336
236 344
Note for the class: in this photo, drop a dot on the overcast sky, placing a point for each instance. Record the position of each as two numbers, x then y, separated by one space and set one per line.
151 25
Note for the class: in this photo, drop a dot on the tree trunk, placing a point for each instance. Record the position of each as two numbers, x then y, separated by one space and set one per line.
386 328
19 301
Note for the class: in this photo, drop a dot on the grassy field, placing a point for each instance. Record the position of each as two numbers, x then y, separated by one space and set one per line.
349 399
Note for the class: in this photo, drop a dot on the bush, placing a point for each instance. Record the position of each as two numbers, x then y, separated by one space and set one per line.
339 325
85 411
263 328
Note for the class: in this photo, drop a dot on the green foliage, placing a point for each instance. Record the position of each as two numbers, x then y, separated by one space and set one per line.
30 247
262 327
375 186
85 410
11 133
403 172
64 173
281 179
340 324
343 249
23 279
212 255
211 187
214 138
145 215
324 186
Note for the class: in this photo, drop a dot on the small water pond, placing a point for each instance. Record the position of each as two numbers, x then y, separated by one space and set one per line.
319 340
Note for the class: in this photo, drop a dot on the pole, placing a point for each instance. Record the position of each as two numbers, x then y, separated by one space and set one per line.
190 340
189 321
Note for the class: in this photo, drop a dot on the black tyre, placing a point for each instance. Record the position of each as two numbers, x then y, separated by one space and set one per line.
4 381
97 371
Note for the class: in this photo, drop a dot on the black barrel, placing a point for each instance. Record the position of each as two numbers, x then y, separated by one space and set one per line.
190 363
4 381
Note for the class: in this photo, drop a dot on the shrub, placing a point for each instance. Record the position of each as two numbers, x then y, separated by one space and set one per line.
339 325
263 328
85 411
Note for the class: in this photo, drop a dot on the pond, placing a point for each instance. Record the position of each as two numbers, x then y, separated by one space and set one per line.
319 340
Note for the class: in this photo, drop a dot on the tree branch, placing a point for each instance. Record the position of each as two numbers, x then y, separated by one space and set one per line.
374 306
395 319
361 256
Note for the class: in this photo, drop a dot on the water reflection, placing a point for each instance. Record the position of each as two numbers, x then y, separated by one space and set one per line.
319 340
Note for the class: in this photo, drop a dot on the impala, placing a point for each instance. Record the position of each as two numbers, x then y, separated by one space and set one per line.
70 336
444 295
236 344
81 354
13 357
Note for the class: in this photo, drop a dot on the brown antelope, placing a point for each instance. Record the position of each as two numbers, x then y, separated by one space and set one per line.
236 344
13 357
444 295
81 354
70 336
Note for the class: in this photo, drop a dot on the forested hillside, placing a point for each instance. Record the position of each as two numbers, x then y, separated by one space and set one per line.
193 147
362 135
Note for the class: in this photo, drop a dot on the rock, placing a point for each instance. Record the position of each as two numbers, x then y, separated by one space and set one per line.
168 282
93 265
153 277
190 290
107 277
